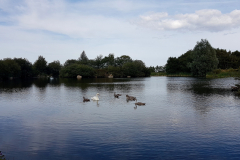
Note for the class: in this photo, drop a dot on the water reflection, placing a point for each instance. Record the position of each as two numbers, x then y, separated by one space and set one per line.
203 94
184 118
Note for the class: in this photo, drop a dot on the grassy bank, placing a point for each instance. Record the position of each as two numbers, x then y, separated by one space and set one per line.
171 75
220 73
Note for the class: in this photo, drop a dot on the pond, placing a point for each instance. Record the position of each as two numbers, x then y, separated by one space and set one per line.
184 118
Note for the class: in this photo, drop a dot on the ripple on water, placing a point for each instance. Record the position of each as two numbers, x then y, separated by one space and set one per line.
184 118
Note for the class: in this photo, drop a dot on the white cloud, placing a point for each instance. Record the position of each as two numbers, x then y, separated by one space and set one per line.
202 20
72 19
61 29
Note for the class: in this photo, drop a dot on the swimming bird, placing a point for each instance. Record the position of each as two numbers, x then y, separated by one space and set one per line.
116 95
95 98
131 98
86 99
139 103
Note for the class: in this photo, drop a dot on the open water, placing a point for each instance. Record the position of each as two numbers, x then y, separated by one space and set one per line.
184 118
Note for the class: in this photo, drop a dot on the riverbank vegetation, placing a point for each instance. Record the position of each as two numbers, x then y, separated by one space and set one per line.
222 73
122 66
202 61
205 61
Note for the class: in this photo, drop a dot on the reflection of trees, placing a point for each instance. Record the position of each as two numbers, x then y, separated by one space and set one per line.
54 82
41 83
15 85
198 86
108 84
199 93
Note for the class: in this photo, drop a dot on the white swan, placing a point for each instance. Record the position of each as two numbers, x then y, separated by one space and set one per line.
95 98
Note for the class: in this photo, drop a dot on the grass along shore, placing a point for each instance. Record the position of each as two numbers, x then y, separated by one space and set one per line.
217 73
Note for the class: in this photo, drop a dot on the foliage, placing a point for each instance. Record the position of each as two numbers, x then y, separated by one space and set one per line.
116 71
73 70
180 64
26 67
151 68
83 59
184 62
204 58
135 69
120 61
101 73
108 60
70 62
222 73
98 62
40 65
158 74
160 69
228 59
172 65
9 68
54 68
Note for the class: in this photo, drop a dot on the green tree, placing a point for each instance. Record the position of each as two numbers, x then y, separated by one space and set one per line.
120 61
184 62
109 60
224 58
9 68
204 58
70 62
54 68
83 59
26 67
172 65
40 65
135 69
73 70
99 62
152 69
160 69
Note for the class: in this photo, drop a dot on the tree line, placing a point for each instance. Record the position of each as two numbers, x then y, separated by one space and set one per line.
122 66
202 59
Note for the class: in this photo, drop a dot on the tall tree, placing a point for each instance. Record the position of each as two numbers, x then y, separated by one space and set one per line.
70 62
9 68
54 68
120 61
172 65
204 58
26 67
83 58
40 65
109 60
99 62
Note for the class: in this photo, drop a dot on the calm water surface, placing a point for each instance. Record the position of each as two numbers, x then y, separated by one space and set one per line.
184 118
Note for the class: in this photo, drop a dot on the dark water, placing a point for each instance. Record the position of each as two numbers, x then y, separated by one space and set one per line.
184 118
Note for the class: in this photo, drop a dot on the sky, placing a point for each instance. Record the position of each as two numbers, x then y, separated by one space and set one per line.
151 31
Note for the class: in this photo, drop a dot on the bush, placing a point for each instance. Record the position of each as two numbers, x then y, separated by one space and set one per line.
135 69
26 67
115 71
217 71
9 68
73 70
54 68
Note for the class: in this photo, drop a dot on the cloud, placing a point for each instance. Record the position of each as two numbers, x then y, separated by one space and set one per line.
202 20
76 20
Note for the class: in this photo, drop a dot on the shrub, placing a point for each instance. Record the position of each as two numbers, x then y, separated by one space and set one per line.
73 70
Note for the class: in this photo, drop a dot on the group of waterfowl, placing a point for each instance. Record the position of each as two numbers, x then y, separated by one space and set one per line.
95 98
128 98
